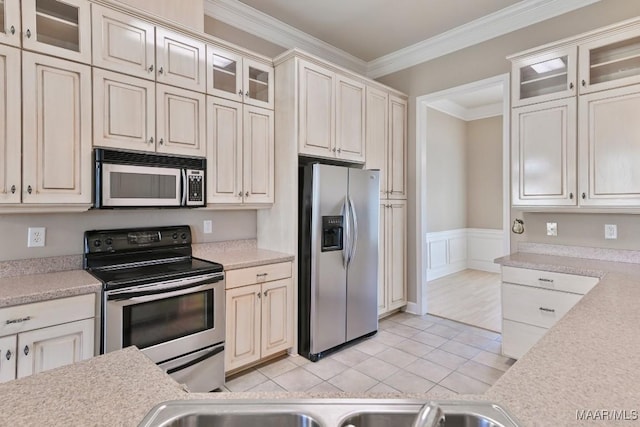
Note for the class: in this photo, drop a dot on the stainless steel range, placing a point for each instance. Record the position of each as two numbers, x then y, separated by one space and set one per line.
161 299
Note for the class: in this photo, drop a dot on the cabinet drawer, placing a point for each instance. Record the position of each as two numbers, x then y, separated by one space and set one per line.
539 307
518 338
26 317
549 280
262 273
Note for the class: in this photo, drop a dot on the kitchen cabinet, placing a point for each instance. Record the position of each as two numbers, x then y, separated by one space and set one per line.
45 335
234 77
180 60
392 267
259 315
331 114
56 149
10 29
241 160
136 114
60 28
10 121
543 154
533 301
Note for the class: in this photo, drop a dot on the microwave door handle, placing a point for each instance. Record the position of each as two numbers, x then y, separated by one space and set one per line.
197 360
185 188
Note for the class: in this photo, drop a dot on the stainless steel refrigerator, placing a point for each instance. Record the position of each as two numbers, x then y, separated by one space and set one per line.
338 257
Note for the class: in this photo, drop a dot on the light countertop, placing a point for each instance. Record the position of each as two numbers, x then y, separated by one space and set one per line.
239 258
40 287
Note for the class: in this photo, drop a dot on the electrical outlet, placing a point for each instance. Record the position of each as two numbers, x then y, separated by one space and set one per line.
552 229
208 226
610 231
36 237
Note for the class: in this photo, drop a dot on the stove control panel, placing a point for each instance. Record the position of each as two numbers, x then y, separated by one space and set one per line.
117 240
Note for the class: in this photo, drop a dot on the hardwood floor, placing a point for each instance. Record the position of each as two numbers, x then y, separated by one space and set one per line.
470 296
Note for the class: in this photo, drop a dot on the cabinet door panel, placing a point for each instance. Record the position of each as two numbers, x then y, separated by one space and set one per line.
122 43
224 74
259 151
396 253
57 130
180 60
11 138
258 84
243 310
544 153
224 151
123 111
317 126
350 119
609 137
518 338
55 346
397 151
8 357
277 316
377 134
181 121
10 29
383 293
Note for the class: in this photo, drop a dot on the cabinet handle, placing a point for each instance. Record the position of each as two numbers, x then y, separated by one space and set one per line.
261 275
265 292
548 310
13 189
545 280
26 350
150 140
571 85
339 150
160 70
13 30
246 94
161 142
246 194
20 320
259 295
8 355
28 33
240 93
29 189
334 150
584 83
151 68
584 196
240 194
571 196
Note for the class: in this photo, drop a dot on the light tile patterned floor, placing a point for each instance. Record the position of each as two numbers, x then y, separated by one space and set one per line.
408 354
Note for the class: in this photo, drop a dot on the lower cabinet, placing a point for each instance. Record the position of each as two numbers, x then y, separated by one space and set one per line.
259 315
392 260
46 335
533 301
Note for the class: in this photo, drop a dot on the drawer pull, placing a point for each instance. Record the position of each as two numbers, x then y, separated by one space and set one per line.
548 310
261 275
21 320
541 279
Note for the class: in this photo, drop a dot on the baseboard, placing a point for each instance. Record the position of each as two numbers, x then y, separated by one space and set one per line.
488 266
412 308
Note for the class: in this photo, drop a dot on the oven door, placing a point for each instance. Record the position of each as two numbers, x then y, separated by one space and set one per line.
131 186
166 320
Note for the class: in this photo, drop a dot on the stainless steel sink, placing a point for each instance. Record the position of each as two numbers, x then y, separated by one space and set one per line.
320 413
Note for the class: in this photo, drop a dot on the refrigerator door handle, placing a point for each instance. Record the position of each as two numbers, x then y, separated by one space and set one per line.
353 238
347 231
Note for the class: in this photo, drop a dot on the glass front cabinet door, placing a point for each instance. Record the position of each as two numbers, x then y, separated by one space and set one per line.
10 22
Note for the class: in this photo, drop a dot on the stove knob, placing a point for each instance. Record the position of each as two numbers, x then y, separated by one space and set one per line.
97 243
175 236
184 236
109 241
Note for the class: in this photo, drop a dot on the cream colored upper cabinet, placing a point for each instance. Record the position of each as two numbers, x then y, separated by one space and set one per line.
180 121
543 77
543 154
609 131
277 316
224 151
231 76
610 61
259 152
57 27
56 130
123 111
10 29
316 114
350 119
123 43
10 121
181 60
377 135
397 149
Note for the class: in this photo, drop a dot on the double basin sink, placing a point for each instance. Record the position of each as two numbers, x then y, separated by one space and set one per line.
321 413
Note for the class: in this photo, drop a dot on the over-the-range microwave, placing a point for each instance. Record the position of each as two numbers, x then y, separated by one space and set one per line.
127 179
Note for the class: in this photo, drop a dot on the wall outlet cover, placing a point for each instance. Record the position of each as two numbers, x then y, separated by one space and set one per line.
610 231
36 237
552 229
208 226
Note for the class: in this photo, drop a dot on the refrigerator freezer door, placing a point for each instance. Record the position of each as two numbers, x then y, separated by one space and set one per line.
328 273
362 273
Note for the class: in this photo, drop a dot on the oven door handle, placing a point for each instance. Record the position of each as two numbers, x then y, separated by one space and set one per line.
136 294
197 360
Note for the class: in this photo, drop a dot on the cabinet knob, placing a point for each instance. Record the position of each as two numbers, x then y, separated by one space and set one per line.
339 150
29 189
571 85
246 194
259 295
13 189
160 70
265 293
8 355
26 350
240 93
151 140
240 194
571 196
28 33
246 94
584 83
151 68
584 196
12 30
334 150
161 142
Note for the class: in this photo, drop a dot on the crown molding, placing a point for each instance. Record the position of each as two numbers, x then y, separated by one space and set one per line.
512 18
468 114
259 24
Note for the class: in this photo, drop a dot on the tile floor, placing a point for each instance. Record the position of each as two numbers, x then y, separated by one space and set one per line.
408 354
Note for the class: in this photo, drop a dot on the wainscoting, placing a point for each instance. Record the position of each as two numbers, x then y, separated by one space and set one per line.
452 251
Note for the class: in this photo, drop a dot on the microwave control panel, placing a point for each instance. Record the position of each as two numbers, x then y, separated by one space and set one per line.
195 187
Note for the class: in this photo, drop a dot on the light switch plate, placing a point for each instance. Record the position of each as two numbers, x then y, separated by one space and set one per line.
552 229
610 231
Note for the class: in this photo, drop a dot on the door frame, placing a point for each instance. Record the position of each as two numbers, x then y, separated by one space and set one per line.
422 103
